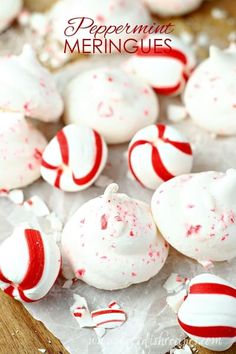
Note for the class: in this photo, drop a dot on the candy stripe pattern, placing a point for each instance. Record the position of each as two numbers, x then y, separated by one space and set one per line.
208 314
164 153
29 264
166 69
108 318
74 158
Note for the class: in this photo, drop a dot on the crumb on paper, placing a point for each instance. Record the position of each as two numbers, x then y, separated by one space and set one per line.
202 40
218 14
24 18
37 206
100 332
175 283
186 37
16 196
212 135
55 223
175 301
68 284
113 304
41 350
108 318
176 112
39 23
49 51
207 264
232 36
80 312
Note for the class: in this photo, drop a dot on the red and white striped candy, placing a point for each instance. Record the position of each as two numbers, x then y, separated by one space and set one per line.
208 314
81 312
110 317
74 158
158 153
29 264
165 62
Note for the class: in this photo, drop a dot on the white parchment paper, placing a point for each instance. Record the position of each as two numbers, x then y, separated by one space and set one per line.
151 326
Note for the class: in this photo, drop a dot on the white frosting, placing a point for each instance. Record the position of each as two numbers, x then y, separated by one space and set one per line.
103 13
211 90
74 158
114 103
211 302
165 154
167 74
30 263
9 9
202 210
112 242
27 87
173 7
21 146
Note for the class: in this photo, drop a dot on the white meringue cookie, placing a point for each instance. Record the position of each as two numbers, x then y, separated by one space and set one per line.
208 314
173 7
211 91
158 153
28 88
112 242
74 158
202 208
112 102
9 9
29 264
163 61
21 147
103 13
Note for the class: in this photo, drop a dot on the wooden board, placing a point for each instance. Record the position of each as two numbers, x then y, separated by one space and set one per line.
19 332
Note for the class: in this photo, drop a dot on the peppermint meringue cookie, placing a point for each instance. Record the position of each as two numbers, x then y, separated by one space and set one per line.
29 264
173 7
28 88
164 61
112 242
203 214
208 314
210 93
112 102
96 13
21 146
158 153
8 11
74 158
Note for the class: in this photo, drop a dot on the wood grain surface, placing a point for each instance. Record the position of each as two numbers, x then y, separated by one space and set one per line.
19 332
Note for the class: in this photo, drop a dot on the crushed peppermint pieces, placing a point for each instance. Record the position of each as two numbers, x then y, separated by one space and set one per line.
100 320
